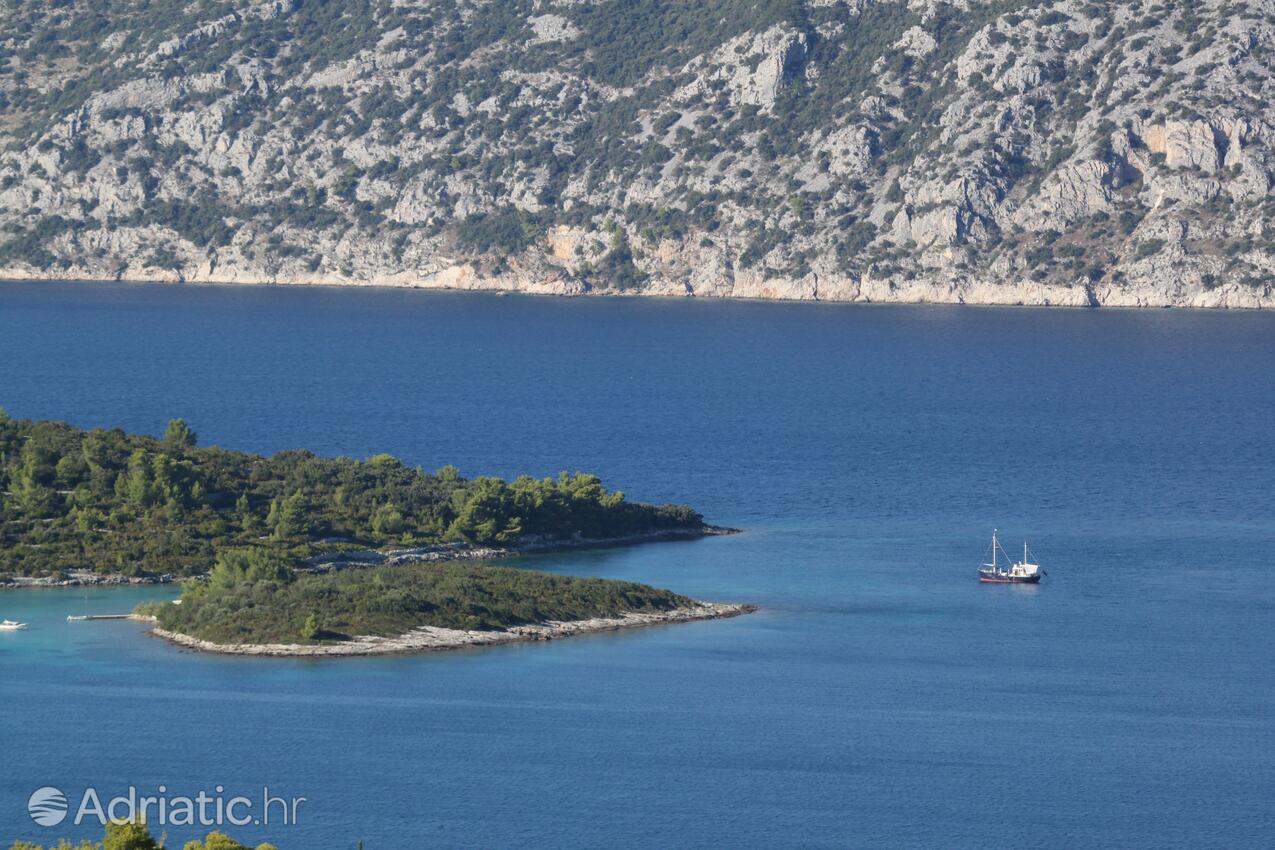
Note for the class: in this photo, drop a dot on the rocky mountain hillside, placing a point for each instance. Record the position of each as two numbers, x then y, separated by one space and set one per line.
1072 152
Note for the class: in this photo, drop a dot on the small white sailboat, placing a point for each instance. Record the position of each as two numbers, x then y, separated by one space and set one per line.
11 626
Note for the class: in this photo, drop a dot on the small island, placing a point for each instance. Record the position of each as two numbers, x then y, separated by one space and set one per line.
296 554
253 603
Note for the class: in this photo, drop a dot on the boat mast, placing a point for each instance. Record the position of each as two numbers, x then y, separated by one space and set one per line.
993 550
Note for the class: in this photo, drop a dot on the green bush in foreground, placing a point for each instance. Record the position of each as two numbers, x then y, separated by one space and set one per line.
112 502
135 836
390 601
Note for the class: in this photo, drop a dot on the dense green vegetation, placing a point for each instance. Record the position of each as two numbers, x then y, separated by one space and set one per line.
135 836
252 596
111 502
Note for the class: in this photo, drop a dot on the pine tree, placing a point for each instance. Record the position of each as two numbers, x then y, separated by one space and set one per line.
179 435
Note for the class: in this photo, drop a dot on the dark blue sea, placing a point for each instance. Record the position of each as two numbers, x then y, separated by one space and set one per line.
882 697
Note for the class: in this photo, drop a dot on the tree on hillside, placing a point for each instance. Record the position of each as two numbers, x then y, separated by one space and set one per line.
135 836
221 841
179 434
289 517
387 520
485 513
137 485
32 480
129 836
249 566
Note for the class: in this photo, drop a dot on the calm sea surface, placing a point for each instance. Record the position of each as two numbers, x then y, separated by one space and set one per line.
881 698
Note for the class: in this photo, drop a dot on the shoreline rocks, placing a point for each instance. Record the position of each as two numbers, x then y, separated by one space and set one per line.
445 552
85 580
374 558
745 287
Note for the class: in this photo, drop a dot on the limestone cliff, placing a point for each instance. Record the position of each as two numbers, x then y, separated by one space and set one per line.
1067 152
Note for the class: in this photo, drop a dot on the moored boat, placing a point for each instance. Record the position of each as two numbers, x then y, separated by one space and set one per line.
1020 572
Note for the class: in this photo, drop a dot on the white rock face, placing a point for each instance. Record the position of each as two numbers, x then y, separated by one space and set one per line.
1071 153
1074 192
553 28
849 151
754 67
1186 144
916 42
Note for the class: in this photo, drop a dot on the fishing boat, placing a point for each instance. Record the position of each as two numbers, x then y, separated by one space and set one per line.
11 626
1021 572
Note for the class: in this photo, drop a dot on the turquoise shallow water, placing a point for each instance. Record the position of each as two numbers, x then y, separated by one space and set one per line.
882 697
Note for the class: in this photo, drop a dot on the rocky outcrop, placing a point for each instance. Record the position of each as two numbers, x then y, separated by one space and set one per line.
552 27
1081 153
752 68
1187 144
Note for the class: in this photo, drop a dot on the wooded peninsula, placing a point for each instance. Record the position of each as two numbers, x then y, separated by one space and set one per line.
110 503
264 543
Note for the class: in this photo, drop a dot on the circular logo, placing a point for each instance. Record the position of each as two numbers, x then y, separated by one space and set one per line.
47 806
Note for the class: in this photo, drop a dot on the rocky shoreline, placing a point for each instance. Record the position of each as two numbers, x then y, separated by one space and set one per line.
85 579
433 639
452 552
991 292
360 558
